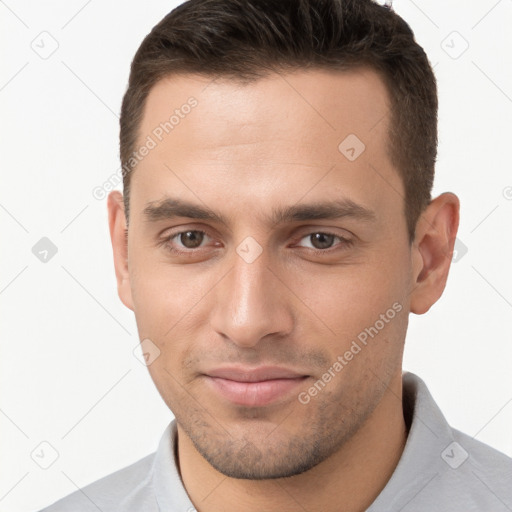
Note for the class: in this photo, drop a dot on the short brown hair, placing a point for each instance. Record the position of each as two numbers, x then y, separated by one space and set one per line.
248 39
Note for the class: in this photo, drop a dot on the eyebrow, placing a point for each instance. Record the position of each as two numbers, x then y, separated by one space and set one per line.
169 208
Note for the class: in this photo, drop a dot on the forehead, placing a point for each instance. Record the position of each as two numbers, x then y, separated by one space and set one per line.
331 102
279 137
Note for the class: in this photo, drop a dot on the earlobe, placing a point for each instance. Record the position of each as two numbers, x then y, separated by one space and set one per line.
432 251
118 230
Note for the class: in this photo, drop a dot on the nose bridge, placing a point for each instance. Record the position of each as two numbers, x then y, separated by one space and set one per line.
250 287
248 305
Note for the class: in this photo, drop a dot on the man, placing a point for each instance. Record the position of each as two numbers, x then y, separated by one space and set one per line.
275 232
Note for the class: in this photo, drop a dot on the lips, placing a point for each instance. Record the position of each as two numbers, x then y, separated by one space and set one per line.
254 387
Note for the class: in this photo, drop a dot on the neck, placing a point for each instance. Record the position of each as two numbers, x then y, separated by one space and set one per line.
353 476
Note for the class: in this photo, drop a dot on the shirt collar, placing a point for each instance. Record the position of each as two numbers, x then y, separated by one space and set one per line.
170 492
420 463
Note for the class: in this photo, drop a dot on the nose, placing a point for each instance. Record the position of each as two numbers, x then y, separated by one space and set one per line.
251 303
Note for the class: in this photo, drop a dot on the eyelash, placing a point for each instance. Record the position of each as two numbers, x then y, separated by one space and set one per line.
166 242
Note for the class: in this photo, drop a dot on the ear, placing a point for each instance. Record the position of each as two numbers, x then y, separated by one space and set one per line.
118 230
432 251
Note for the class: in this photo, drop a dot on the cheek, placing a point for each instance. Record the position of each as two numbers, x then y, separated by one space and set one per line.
168 301
361 303
157 298
354 294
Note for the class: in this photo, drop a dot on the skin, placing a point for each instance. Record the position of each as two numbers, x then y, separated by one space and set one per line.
243 151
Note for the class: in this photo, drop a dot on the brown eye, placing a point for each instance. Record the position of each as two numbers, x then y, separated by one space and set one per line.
191 239
321 240
186 243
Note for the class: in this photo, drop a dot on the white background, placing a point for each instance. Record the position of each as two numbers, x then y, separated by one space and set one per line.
68 374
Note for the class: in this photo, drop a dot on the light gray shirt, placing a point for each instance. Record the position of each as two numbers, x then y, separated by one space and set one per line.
440 469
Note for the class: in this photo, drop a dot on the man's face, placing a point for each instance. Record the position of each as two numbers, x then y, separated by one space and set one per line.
253 290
